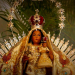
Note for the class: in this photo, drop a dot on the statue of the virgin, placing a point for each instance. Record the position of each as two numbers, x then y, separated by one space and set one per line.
23 58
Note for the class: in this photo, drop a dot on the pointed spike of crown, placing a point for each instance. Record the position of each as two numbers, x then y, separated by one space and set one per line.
61 43
56 42
23 34
11 41
48 35
53 38
68 49
4 48
5 41
63 38
19 37
64 46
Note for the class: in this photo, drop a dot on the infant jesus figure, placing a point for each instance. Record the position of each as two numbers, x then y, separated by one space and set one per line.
44 60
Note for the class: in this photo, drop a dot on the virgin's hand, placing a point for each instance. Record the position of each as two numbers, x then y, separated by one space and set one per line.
50 48
49 44
25 58
51 55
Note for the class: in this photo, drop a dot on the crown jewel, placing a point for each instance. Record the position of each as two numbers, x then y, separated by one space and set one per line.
36 21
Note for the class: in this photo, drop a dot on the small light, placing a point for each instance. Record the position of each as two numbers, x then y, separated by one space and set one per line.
6 62
62 65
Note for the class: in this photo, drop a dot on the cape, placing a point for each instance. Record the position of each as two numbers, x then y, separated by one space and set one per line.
13 61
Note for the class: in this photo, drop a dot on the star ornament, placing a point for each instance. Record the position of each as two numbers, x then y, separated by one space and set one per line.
61 11
58 4
61 25
12 10
10 17
10 24
53 1
16 4
62 18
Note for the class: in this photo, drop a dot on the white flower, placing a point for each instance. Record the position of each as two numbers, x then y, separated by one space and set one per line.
58 5
61 25
61 11
10 17
16 4
10 24
12 10
62 18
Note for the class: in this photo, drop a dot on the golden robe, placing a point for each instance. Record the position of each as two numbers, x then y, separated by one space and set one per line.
18 60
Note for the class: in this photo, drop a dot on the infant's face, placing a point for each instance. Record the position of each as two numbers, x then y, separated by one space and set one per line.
44 44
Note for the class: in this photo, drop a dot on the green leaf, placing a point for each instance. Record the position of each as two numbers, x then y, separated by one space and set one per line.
4 19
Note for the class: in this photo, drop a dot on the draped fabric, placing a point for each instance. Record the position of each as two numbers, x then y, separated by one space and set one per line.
19 60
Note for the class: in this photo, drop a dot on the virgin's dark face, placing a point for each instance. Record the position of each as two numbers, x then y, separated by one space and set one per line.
36 37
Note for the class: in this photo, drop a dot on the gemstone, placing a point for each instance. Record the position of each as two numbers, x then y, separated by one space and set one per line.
4 70
6 62
62 65
65 73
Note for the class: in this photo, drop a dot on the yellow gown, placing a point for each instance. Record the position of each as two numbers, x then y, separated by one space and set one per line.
32 68
44 60
14 66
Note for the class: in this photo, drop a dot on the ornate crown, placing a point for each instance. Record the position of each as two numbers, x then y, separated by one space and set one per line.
36 21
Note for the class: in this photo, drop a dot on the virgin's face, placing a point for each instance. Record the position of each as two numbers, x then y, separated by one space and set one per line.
36 37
